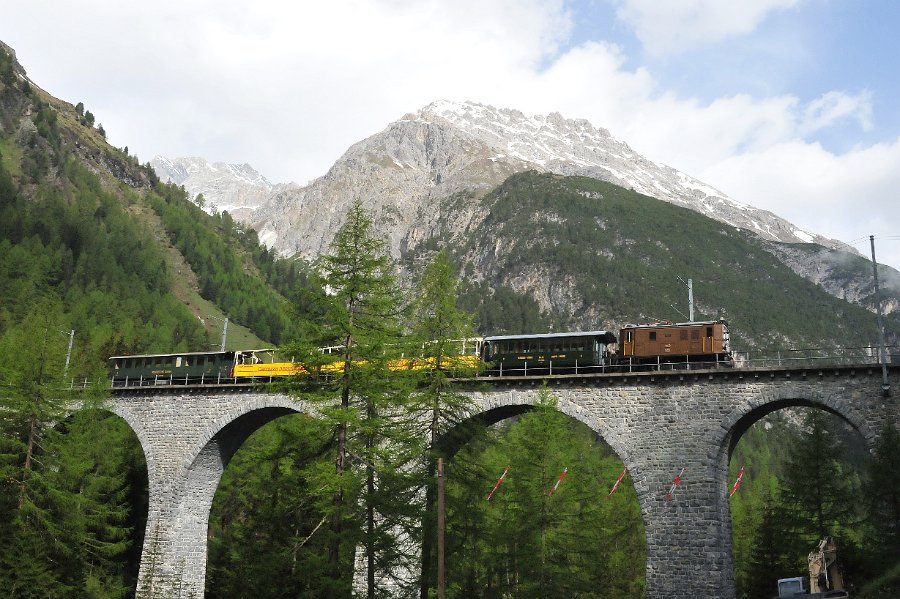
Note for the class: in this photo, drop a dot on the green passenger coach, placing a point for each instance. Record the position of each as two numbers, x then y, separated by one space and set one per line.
518 354
165 368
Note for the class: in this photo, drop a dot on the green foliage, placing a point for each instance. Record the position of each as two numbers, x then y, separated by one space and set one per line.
525 542
268 506
65 526
7 74
501 310
621 253
882 492
802 482
213 247
363 403
80 246
438 326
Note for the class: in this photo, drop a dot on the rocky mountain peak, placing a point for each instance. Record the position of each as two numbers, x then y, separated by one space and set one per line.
237 188
448 148
559 145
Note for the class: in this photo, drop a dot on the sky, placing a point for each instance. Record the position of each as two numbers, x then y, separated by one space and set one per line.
788 105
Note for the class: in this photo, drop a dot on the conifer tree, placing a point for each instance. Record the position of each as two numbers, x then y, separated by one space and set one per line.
63 489
531 541
882 489
440 329
818 492
363 398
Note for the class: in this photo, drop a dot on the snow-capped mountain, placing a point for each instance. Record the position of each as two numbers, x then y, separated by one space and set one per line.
575 147
427 171
237 188
449 148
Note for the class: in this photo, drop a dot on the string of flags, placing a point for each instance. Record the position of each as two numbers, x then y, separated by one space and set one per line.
670 495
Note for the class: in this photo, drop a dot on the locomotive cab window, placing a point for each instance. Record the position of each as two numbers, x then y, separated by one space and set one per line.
652 335
709 331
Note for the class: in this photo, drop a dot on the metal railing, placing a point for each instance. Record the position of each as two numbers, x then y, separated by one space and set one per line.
789 358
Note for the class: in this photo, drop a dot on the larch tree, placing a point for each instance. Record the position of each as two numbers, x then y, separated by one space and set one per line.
441 330
362 399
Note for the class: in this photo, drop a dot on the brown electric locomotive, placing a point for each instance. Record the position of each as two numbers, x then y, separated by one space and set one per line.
665 342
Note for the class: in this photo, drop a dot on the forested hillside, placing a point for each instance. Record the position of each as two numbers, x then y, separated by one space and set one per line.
97 258
578 253
131 264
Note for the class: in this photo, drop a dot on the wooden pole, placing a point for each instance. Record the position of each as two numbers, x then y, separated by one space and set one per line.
440 528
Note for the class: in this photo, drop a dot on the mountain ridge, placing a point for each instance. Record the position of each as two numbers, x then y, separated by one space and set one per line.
468 147
446 155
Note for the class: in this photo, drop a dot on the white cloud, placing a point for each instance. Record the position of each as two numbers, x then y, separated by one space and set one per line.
844 196
835 106
672 26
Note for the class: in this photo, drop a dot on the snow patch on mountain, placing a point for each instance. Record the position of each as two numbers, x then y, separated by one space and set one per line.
236 188
575 147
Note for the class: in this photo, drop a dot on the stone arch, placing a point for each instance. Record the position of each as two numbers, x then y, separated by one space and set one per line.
201 470
752 409
490 408
239 421
136 424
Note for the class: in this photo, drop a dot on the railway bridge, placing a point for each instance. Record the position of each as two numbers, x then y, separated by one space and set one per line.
657 422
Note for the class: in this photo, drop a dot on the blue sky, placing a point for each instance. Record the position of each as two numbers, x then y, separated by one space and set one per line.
787 105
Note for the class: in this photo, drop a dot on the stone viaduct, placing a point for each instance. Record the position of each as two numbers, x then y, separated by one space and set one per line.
658 423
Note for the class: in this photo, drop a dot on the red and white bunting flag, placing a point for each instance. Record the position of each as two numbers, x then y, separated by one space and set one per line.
671 494
499 480
737 483
556 486
616 486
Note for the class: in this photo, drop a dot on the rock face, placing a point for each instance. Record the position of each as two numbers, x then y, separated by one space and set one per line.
237 188
842 274
406 173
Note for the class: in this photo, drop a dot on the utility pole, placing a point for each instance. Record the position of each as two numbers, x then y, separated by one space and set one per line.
882 351
69 352
690 286
691 299
440 529
224 334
